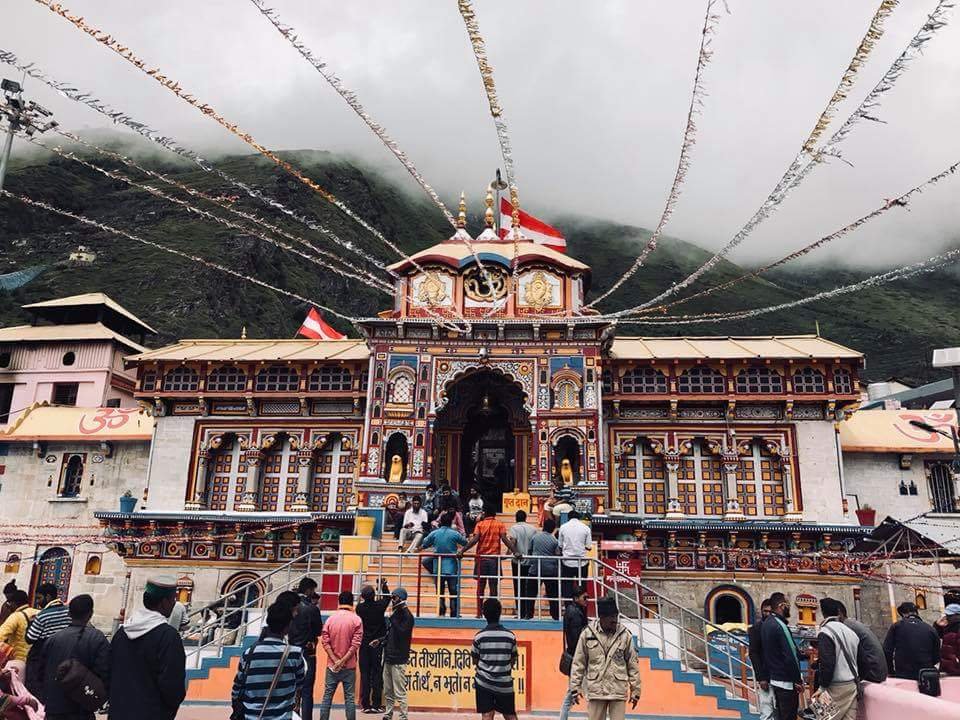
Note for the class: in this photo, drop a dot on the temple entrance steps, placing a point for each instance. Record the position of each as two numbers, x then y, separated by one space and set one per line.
681 653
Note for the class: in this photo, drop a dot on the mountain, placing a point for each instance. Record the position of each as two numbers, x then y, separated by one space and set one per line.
895 325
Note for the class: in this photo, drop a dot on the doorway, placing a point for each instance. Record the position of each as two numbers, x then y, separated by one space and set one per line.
484 431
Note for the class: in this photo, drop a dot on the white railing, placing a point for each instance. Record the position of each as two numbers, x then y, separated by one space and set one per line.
657 621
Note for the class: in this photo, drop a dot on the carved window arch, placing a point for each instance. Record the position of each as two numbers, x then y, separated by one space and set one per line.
643 380
181 379
279 471
842 381
643 478
400 386
809 380
227 468
227 378
278 378
566 385
71 478
759 380
760 487
701 379
330 378
700 482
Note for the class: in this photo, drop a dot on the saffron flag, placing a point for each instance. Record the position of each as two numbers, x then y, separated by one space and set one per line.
315 328
536 230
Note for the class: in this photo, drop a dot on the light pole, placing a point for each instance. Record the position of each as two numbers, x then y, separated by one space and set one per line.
20 115
950 358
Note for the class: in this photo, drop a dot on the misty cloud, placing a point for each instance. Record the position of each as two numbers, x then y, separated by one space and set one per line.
595 95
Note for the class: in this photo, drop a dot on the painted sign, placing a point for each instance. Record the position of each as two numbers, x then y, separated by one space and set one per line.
516 501
620 567
440 675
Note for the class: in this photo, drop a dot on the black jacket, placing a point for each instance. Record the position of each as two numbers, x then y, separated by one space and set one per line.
399 635
372 616
574 621
147 675
780 659
80 642
306 627
760 671
870 658
910 646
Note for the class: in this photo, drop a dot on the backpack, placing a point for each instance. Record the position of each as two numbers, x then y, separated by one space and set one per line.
79 682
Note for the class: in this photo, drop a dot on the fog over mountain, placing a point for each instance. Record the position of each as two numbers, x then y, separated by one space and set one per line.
595 95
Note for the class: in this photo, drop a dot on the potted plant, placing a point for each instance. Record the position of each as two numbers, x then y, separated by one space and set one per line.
128 503
866 515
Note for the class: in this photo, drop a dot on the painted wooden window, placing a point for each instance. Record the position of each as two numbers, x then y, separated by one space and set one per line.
760 484
842 381
181 379
809 380
278 378
54 566
566 395
227 379
701 379
700 482
401 387
333 478
279 478
941 489
71 475
227 478
330 378
759 380
643 380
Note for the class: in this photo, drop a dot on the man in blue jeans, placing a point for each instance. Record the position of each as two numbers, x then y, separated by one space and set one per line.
446 542
341 638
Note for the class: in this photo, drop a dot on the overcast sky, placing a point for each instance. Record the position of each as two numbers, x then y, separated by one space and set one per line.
595 94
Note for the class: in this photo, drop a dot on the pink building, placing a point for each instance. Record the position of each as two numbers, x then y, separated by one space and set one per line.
71 354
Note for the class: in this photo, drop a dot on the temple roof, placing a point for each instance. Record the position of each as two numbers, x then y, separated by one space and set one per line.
782 347
59 309
457 255
64 333
256 350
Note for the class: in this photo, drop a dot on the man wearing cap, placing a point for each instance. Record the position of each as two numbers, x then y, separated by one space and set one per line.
147 662
396 655
606 660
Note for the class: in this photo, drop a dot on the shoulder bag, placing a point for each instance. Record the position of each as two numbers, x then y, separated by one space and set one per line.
276 678
79 682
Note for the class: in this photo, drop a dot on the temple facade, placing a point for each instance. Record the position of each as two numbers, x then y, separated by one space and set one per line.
704 462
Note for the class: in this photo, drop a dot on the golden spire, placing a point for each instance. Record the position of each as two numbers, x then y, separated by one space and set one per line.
515 201
462 216
488 213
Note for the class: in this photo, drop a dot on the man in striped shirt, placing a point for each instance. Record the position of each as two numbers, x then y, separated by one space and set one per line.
270 661
54 617
494 655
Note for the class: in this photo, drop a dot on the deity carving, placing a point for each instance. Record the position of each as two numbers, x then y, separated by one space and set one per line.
432 290
478 288
538 293
396 469
566 472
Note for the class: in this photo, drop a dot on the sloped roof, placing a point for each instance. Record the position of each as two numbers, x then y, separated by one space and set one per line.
891 431
60 333
94 298
783 347
256 350
458 255
60 423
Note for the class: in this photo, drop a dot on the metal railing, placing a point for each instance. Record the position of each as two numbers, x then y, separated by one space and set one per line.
526 592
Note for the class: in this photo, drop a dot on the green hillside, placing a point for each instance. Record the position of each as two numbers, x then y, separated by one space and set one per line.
896 325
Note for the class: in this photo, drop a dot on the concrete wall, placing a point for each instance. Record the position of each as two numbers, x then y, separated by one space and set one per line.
819 472
170 462
875 479
31 511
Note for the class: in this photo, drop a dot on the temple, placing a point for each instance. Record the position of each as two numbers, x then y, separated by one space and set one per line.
696 454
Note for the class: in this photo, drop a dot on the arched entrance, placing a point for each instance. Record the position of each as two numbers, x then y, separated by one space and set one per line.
53 566
482 436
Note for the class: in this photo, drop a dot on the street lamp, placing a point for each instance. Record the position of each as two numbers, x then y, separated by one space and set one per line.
952 435
22 115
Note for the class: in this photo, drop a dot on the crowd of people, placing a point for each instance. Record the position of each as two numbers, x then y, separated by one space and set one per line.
550 558
844 655
55 664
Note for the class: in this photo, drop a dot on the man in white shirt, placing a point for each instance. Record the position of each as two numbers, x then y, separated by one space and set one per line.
413 521
574 540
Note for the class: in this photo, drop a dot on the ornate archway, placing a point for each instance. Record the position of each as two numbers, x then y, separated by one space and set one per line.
482 434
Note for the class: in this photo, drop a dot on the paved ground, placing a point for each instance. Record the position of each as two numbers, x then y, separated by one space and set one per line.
220 713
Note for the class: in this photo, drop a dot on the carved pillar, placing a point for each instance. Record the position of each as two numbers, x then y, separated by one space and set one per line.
301 500
251 486
733 511
672 463
791 513
198 500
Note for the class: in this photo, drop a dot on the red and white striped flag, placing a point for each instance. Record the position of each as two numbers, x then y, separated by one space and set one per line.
315 328
536 230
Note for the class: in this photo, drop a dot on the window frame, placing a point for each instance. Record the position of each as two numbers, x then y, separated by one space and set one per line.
699 373
643 381
182 378
229 378
763 379
809 384
337 378
272 375
65 387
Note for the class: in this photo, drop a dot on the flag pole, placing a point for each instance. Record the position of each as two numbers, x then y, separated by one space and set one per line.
498 184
